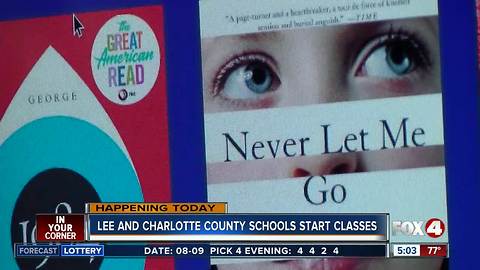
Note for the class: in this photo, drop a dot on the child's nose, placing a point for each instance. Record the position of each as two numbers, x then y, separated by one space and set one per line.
327 164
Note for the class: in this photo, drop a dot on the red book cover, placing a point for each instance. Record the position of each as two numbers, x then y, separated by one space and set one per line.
83 111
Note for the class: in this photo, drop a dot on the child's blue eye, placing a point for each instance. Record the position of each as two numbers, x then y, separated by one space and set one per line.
400 58
258 77
247 77
393 57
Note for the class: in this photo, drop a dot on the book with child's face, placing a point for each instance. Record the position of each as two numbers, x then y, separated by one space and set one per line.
325 107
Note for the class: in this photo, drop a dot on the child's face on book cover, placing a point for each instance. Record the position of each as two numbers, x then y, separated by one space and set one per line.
324 65
321 65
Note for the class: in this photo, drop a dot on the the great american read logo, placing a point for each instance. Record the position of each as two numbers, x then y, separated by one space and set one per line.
125 59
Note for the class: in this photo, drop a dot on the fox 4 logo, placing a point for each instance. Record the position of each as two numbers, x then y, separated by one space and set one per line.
433 227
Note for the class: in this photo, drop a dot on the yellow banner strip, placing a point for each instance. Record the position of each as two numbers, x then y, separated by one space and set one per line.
156 208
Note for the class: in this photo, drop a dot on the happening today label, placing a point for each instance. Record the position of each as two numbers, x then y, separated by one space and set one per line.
125 59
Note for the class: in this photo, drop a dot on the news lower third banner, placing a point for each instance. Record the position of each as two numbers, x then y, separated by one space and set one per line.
237 227
207 229
212 227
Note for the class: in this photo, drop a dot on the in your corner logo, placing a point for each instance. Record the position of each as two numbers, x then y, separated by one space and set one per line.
125 59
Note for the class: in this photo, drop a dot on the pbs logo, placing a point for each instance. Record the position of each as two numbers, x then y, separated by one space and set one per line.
434 228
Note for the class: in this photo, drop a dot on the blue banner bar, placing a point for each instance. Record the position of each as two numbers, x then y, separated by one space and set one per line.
202 250
238 224
82 250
